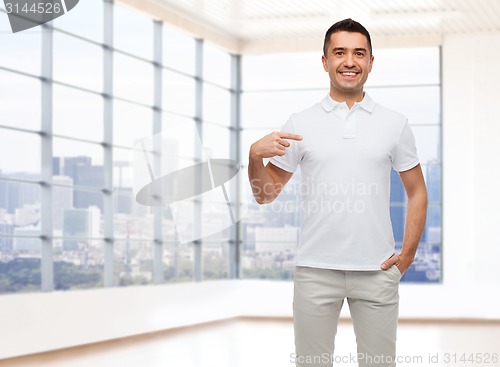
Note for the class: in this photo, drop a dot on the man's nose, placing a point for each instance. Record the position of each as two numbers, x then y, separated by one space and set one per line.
349 61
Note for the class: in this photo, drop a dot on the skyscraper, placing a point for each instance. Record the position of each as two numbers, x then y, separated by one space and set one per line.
62 198
80 224
433 225
15 195
83 173
397 209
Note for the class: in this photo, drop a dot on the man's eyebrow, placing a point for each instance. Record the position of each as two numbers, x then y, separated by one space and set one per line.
345 48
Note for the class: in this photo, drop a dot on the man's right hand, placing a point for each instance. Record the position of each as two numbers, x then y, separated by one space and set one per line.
272 145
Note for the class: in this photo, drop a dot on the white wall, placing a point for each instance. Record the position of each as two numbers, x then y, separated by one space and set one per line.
471 167
471 182
32 323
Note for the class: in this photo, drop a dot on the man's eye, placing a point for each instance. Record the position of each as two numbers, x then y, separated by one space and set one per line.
360 54
339 53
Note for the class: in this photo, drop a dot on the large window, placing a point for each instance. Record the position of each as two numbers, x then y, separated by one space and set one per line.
20 163
409 81
80 115
75 99
276 86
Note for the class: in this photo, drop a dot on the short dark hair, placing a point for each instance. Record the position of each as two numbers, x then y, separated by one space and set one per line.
346 25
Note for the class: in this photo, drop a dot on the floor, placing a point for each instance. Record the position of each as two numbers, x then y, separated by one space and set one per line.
250 343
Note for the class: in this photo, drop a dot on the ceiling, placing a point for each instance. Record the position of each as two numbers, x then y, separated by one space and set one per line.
248 26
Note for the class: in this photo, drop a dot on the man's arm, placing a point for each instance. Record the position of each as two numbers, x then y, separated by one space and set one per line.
268 181
416 212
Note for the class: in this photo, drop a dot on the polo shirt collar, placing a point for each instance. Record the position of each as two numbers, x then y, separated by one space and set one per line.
329 104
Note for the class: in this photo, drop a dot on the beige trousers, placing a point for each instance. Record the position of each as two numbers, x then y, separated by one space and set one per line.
373 303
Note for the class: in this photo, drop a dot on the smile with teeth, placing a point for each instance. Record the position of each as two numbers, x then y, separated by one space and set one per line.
349 73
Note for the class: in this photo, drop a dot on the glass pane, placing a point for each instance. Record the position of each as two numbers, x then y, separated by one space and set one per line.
284 71
428 140
81 222
136 221
215 260
130 123
19 153
19 256
216 65
89 200
133 263
178 93
20 265
26 247
210 221
216 105
432 234
123 203
78 264
398 216
77 114
82 162
122 168
432 174
169 233
273 109
21 51
178 264
133 32
62 199
426 267
16 93
183 133
77 62
133 79
76 213
403 66
269 252
178 50
398 193
217 140
19 209
421 105
85 20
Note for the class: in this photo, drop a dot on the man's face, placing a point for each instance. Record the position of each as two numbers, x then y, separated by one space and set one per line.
348 62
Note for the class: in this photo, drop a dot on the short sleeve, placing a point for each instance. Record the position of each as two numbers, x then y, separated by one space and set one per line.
405 154
290 161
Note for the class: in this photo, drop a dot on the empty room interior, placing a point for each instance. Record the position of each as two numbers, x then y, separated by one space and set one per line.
130 233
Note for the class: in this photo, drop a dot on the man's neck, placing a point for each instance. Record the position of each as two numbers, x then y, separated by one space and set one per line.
347 98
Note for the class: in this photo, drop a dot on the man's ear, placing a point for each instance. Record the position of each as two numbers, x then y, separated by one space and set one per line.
371 63
325 63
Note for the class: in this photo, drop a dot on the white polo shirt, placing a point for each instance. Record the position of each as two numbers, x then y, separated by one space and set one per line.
346 158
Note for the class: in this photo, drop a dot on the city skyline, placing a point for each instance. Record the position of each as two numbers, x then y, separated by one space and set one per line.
272 241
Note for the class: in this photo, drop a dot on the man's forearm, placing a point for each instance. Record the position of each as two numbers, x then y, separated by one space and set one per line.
263 186
416 213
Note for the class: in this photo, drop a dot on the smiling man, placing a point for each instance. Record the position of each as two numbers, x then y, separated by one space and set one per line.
346 146
348 67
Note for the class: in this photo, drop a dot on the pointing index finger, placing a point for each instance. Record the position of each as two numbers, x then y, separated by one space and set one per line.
290 136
